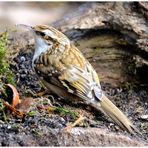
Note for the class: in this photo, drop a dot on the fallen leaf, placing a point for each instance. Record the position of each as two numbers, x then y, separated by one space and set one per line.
15 95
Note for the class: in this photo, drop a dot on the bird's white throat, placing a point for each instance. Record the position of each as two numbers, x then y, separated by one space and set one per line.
40 47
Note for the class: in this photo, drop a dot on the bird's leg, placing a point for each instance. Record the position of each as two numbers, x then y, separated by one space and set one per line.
40 94
69 127
45 91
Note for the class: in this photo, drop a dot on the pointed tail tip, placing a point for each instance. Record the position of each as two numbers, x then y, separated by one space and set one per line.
135 130
117 116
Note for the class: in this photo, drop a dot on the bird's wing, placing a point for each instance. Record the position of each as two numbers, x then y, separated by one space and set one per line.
73 73
82 82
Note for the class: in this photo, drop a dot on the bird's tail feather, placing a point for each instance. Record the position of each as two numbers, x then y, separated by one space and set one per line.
116 115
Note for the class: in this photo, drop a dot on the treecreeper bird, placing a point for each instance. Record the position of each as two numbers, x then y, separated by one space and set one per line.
66 72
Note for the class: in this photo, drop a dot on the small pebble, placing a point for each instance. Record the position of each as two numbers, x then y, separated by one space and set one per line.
144 117
22 58
9 127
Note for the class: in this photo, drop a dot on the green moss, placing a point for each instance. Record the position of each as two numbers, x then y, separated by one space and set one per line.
2 110
6 75
64 112
32 113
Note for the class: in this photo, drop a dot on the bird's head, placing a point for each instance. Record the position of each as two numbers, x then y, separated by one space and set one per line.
48 35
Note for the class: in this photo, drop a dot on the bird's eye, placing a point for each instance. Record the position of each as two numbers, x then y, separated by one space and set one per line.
40 33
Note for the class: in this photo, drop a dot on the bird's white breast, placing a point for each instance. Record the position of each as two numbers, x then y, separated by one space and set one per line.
41 47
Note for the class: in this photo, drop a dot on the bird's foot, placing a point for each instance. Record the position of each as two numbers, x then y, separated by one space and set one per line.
69 127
